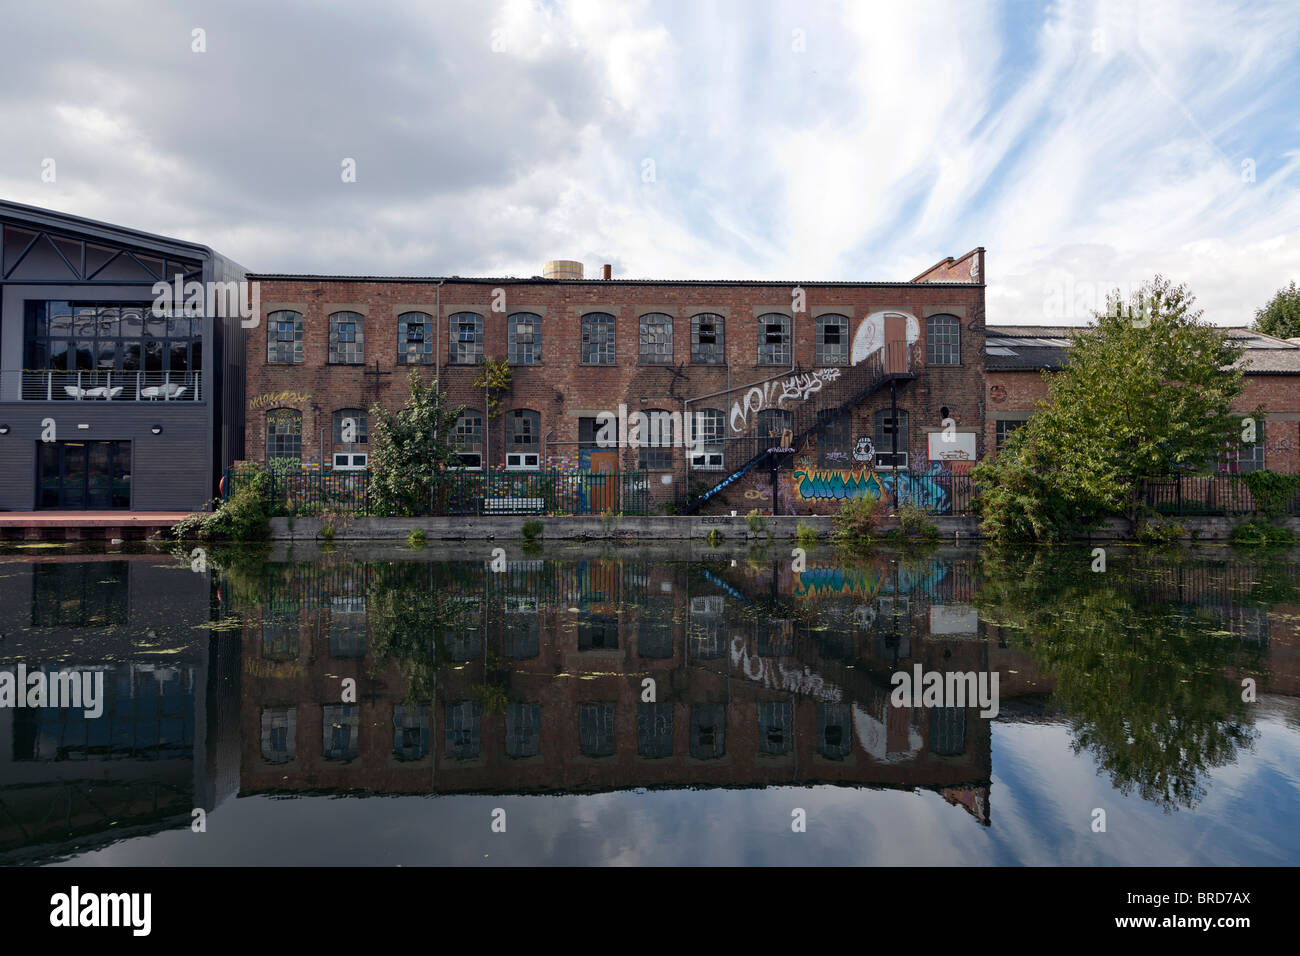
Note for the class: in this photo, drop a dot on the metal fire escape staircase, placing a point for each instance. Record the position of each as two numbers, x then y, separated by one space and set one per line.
812 399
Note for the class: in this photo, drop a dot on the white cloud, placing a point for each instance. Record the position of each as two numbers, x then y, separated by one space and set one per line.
1099 140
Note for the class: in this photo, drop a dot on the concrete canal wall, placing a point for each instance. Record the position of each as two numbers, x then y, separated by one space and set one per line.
669 527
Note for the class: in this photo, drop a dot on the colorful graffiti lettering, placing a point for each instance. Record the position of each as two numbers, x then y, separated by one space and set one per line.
868 581
814 484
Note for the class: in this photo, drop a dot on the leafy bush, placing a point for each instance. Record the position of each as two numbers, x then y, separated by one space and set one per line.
1261 534
857 521
715 538
755 521
1158 533
407 447
1271 491
532 528
805 534
914 522
1147 390
241 518
417 538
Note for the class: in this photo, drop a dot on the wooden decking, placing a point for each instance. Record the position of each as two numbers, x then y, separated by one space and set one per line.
79 525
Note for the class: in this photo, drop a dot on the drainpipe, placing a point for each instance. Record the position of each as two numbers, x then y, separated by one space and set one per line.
893 434
437 335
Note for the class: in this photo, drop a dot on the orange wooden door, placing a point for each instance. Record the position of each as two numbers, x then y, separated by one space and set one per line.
895 343
603 493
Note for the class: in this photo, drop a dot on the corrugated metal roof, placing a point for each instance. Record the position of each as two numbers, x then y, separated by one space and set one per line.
1033 347
538 280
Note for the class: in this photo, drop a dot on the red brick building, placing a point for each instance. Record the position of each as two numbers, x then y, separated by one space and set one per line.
754 364
1016 356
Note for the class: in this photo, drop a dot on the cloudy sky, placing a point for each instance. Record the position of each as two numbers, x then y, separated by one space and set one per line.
1086 145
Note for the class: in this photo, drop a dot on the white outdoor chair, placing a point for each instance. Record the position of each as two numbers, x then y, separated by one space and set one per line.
168 391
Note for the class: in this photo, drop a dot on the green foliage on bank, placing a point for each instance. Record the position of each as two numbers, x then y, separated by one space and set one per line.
407 447
1261 534
857 523
1146 391
243 516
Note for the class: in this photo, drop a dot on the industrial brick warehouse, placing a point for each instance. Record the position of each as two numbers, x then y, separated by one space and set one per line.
783 396
854 379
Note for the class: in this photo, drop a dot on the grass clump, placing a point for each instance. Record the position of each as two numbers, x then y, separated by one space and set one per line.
532 529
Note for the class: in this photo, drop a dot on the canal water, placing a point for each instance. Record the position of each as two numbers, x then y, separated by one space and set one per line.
495 703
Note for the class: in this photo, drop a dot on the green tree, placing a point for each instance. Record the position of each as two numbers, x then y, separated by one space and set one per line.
1281 317
1146 391
407 447
494 377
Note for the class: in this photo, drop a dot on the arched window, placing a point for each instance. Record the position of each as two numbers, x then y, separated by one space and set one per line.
774 339
414 339
655 451
832 340
772 425
466 331
707 342
284 338
525 338
834 445
468 438
351 427
283 434
598 339
347 339
656 339
885 439
943 340
706 446
523 439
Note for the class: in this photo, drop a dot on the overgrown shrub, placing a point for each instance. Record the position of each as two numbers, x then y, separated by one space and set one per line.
805 534
858 521
241 518
755 521
914 523
1271 491
532 528
1158 533
1261 534
417 538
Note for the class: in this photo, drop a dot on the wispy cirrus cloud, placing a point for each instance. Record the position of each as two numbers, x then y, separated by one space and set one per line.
1085 144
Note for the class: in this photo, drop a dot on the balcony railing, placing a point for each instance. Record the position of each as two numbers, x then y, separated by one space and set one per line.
89 386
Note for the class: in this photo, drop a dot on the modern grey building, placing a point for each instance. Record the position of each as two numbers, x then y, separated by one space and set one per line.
104 402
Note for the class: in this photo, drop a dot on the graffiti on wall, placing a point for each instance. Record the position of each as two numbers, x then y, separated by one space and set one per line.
776 393
279 398
868 581
775 675
829 484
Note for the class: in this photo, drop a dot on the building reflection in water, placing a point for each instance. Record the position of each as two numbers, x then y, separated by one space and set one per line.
556 675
